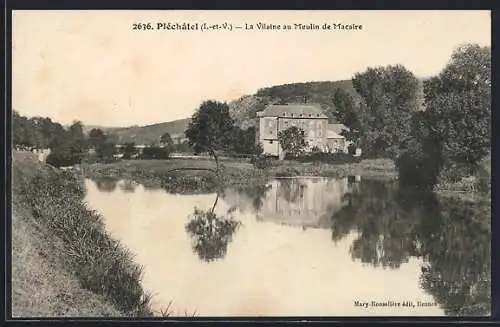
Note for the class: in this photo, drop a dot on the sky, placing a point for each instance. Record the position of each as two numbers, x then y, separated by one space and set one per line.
93 67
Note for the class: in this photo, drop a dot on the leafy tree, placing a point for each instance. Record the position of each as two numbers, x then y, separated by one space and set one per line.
76 137
449 139
347 113
166 141
243 140
65 154
292 140
97 138
75 131
210 128
37 131
69 150
129 150
458 102
106 151
389 99
22 130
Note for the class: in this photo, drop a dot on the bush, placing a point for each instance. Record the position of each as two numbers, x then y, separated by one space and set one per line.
287 172
316 149
59 158
261 161
351 149
155 153
454 173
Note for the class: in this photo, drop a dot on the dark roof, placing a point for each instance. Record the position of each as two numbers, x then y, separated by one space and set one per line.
294 110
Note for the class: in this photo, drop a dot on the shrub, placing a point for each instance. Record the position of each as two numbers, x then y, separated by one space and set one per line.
287 172
454 173
261 161
316 149
153 152
59 158
351 149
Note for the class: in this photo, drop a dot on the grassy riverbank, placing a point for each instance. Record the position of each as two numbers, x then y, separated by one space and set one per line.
169 174
63 261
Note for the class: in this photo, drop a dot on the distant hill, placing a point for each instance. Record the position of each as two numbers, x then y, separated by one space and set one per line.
244 109
150 133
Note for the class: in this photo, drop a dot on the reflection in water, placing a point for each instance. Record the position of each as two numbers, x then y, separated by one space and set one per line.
211 234
128 186
106 184
451 235
456 246
292 190
434 249
306 202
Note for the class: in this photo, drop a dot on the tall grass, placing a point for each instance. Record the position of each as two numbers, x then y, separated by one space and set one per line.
100 263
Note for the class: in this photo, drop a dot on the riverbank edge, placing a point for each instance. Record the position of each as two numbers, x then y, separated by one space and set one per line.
169 174
237 173
62 256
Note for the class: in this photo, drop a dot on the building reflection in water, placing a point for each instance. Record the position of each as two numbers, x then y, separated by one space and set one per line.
304 202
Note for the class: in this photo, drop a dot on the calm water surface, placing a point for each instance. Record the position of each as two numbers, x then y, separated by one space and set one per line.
304 247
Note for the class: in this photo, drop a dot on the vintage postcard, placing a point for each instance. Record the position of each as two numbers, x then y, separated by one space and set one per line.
251 163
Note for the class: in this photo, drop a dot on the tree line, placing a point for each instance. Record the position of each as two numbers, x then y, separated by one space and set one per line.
70 145
442 136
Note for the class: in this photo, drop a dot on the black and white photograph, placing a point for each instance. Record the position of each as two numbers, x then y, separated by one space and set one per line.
231 163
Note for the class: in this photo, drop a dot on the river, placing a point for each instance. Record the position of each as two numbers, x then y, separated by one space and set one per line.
304 247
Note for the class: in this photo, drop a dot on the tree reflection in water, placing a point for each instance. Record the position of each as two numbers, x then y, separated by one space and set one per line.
128 186
451 235
211 233
291 189
106 184
255 191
